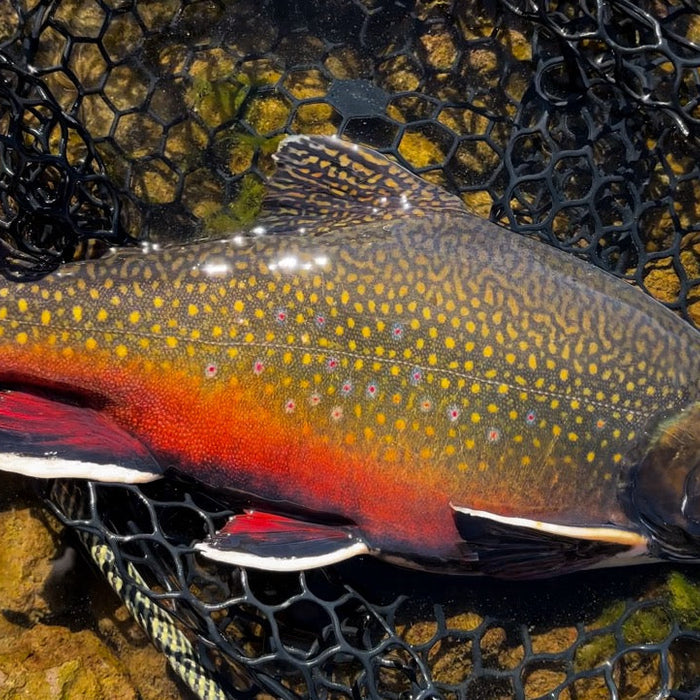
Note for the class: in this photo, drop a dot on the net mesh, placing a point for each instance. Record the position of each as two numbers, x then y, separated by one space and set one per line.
128 120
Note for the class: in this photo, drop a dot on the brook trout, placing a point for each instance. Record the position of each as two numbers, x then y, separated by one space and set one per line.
375 371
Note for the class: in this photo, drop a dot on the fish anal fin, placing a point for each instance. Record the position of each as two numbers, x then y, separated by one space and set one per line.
512 547
45 438
277 543
322 183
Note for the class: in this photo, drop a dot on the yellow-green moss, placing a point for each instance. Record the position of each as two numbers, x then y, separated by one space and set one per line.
216 101
241 211
647 626
599 648
684 598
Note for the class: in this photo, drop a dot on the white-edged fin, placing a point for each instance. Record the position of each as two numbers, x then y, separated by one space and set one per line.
252 561
278 543
514 547
613 535
54 467
45 437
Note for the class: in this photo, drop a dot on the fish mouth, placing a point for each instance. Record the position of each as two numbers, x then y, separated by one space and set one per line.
662 492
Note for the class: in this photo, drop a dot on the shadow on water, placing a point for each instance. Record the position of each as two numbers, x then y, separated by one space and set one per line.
553 602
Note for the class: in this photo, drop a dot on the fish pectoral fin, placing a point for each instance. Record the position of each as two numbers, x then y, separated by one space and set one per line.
322 184
45 438
276 543
512 547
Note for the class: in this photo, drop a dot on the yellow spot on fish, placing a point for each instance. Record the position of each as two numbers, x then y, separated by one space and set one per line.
532 362
21 338
90 343
593 368
134 317
78 313
475 417
590 456
121 350
573 437
525 461
22 305
192 310
171 341
488 351
45 317
510 358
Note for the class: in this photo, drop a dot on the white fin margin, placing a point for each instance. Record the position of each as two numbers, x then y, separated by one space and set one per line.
613 535
55 468
253 561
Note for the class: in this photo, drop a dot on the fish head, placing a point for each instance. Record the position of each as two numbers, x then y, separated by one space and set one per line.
663 489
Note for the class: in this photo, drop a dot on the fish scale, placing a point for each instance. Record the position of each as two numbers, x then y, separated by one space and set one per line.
397 359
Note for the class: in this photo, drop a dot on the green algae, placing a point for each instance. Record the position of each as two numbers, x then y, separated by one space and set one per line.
647 625
684 599
217 101
241 212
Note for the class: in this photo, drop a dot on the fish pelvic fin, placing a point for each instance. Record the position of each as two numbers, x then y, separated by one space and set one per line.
323 183
45 438
277 543
520 548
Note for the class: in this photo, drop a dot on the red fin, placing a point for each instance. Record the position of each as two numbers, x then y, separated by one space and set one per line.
46 438
277 543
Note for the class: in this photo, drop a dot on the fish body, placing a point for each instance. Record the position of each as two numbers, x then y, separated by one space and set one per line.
389 374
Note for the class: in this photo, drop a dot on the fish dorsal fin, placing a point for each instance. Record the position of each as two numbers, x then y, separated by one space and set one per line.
323 183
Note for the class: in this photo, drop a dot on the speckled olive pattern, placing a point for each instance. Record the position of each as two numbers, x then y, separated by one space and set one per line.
379 366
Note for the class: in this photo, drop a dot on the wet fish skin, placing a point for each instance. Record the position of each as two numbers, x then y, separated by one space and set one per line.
391 362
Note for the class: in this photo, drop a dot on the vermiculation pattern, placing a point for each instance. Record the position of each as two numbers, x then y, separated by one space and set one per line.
449 350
